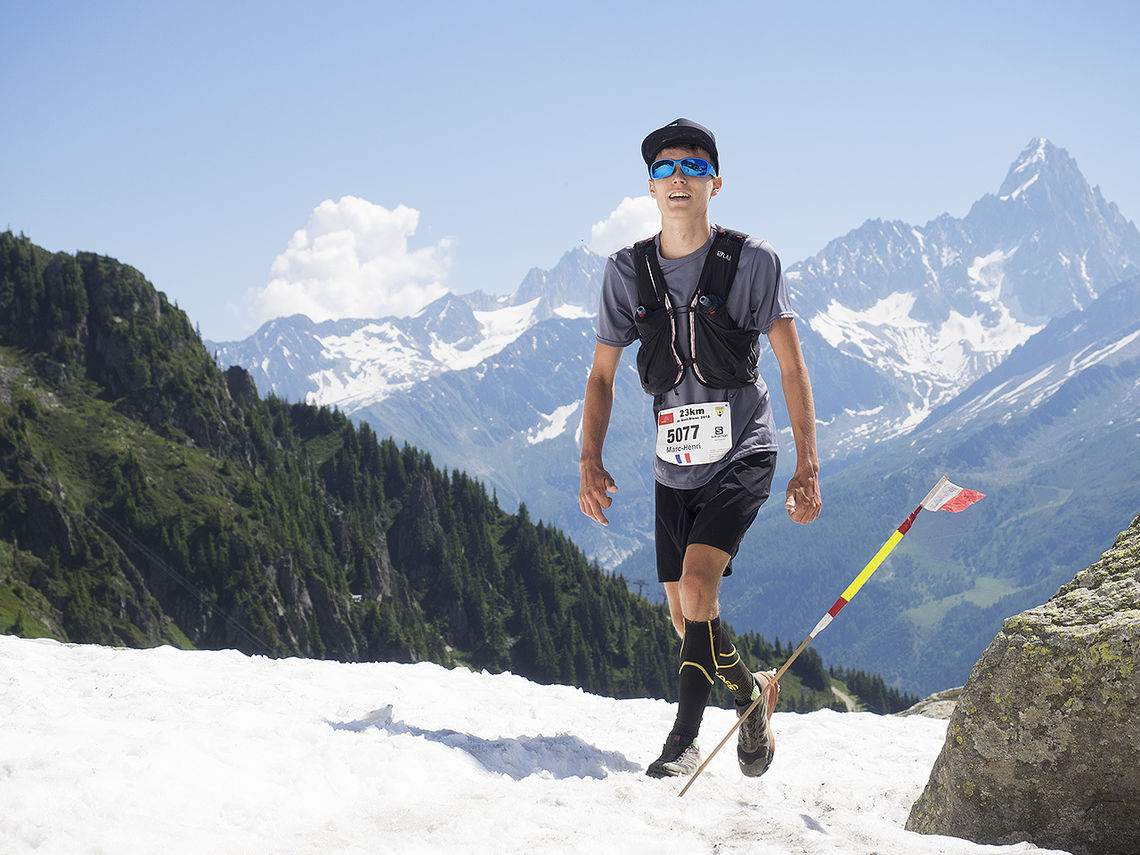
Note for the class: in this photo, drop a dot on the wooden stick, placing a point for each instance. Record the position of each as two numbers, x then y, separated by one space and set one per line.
744 715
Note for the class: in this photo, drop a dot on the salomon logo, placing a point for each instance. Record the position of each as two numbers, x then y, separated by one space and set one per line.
722 254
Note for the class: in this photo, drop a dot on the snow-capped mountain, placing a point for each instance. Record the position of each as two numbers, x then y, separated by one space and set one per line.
935 307
896 320
353 363
1103 338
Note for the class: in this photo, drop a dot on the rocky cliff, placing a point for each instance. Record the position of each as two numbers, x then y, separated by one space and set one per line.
1043 743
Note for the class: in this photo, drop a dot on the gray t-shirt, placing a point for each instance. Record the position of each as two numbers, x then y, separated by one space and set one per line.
757 298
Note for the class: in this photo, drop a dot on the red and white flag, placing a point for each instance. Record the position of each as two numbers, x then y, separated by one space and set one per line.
950 497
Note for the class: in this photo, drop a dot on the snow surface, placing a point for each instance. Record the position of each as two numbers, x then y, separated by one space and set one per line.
554 424
498 329
937 361
572 312
142 751
1022 394
374 361
379 359
1038 155
1023 187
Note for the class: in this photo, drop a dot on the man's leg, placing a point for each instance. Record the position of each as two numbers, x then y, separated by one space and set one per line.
688 523
673 595
700 581
698 588
706 649
694 609
729 667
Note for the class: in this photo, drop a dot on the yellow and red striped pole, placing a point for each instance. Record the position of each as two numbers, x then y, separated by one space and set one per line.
865 574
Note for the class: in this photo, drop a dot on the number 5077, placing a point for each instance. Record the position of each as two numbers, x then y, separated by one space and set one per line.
687 433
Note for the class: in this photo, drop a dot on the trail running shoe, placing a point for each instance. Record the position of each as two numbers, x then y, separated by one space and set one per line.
756 743
680 756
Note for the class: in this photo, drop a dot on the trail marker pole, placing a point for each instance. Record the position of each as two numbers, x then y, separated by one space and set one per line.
943 497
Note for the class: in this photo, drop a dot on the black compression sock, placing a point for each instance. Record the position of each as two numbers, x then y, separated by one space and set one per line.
698 665
730 668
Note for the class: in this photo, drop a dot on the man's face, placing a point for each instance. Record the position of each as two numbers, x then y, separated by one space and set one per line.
681 195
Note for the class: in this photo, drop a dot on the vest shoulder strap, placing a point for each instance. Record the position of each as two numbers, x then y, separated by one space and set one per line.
716 275
650 279
721 263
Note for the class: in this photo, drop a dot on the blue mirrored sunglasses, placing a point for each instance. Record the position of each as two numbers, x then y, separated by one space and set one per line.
689 165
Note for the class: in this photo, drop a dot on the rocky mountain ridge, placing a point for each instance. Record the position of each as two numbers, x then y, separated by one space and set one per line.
935 307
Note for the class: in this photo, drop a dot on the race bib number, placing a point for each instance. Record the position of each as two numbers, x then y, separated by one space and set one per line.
694 433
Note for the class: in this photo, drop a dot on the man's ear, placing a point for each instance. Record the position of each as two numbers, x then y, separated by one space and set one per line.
717 181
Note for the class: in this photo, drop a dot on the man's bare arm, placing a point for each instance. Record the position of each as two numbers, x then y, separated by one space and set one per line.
595 483
802 498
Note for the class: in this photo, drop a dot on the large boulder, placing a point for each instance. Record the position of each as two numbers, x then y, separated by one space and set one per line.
1044 744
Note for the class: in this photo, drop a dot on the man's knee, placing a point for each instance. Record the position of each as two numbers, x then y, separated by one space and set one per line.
704 561
700 580
699 585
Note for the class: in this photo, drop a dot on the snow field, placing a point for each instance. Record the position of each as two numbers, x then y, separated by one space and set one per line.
143 751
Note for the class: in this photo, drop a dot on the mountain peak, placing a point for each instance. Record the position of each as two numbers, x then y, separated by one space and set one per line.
575 280
1041 161
1038 151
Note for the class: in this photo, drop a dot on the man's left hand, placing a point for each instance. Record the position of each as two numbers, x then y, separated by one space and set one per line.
802 498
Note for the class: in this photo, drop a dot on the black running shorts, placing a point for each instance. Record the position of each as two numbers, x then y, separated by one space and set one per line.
717 514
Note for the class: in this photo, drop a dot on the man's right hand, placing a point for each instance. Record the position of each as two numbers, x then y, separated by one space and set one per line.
596 483
593 492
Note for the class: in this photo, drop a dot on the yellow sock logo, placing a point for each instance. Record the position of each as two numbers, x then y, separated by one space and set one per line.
732 687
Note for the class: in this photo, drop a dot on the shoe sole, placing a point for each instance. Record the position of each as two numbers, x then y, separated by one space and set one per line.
672 770
669 770
684 764
754 767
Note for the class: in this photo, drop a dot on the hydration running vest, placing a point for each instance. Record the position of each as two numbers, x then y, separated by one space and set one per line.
723 356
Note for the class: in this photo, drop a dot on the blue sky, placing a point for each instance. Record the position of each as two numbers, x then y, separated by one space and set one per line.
253 158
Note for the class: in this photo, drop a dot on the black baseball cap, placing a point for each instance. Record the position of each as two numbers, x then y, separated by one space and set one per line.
683 132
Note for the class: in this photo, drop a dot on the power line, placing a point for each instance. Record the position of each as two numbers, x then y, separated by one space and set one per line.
118 529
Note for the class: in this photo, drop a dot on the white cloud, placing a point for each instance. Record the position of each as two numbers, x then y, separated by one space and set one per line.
632 220
351 260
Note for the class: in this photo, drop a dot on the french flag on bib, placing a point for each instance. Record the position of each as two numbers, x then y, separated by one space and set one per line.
684 458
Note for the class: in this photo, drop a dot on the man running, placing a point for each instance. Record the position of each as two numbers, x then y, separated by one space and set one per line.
698 297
